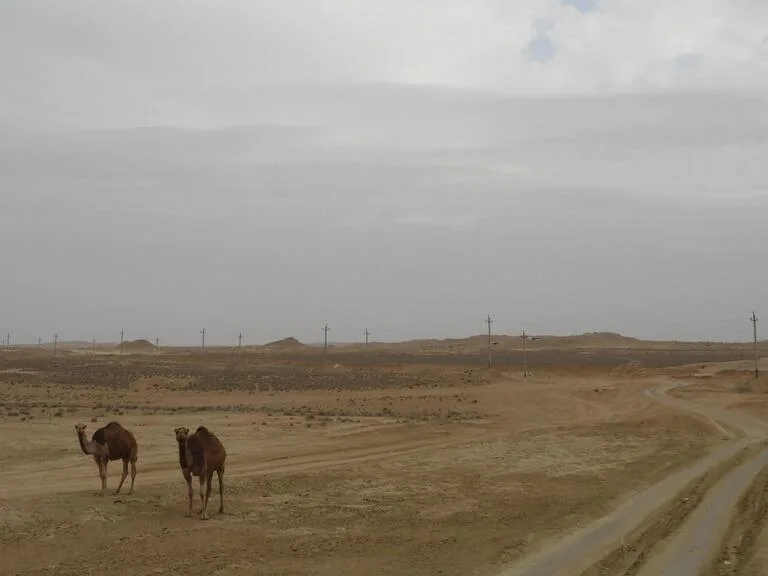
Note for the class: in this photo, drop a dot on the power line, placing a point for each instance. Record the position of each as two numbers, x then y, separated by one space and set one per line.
524 338
754 341
489 321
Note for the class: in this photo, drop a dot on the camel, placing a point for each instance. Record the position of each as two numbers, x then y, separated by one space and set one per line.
201 454
111 442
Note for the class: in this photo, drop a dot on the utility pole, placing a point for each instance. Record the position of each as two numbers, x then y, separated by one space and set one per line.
754 341
366 337
203 333
525 337
489 321
55 343
122 338
157 345
39 342
93 347
325 341
8 340
240 340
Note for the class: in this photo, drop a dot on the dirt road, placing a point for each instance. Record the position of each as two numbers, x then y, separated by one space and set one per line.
690 551
619 543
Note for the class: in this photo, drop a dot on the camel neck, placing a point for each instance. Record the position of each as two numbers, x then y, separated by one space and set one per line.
84 445
183 453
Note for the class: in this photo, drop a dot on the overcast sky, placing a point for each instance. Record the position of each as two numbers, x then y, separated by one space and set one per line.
402 165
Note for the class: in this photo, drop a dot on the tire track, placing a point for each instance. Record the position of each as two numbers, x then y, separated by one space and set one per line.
740 540
690 551
633 552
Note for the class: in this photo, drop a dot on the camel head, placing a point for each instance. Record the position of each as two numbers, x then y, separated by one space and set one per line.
181 434
92 448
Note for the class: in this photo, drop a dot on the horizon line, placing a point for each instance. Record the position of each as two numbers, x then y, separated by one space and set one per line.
596 333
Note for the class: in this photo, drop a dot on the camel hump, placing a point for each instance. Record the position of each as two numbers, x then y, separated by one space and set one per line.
99 436
202 430
115 426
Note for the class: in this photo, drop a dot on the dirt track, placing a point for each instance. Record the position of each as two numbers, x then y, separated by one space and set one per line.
689 552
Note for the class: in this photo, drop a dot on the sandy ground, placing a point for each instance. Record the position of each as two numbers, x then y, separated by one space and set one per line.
374 469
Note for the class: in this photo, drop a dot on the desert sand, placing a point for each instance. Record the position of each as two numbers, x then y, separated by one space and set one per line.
409 458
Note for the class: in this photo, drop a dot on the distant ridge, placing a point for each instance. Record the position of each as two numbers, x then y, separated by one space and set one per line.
605 336
289 342
137 345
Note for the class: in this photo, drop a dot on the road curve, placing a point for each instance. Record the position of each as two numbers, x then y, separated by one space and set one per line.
744 424
576 552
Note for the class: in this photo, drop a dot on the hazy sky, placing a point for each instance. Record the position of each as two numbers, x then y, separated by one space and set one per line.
401 165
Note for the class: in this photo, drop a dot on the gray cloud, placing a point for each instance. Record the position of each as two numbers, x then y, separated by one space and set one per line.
124 63
263 167
550 213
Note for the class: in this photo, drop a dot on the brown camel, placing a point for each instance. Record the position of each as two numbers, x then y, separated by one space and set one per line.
201 454
111 442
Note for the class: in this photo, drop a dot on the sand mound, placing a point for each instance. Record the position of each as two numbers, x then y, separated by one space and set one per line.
289 342
137 345
602 338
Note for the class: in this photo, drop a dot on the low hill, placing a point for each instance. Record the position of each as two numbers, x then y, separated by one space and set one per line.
139 345
285 343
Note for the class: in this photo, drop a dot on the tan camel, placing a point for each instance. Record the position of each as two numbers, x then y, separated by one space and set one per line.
201 454
111 442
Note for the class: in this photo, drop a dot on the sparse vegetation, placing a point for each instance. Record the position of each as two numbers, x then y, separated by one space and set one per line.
342 455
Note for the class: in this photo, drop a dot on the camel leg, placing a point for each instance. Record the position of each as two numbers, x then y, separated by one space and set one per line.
103 474
123 477
133 475
188 480
101 471
208 489
220 473
203 513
